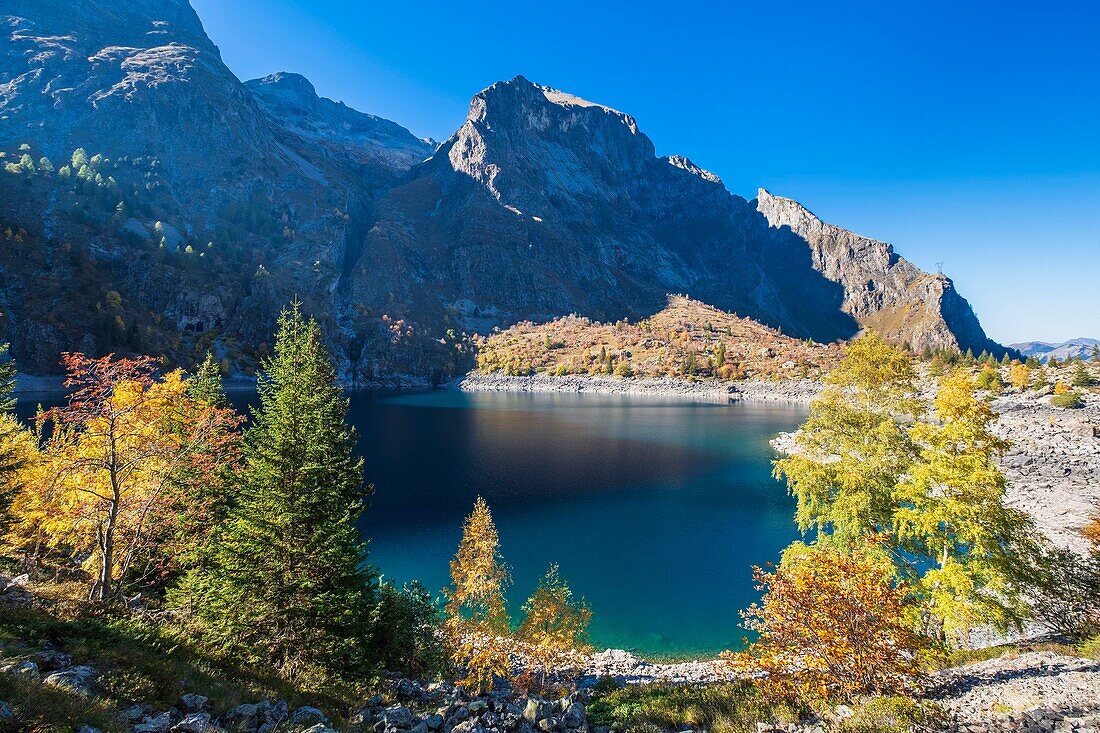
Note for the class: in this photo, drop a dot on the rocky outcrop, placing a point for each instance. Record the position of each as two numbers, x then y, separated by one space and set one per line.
291 102
882 290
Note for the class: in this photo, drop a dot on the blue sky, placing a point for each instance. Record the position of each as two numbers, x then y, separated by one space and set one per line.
965 133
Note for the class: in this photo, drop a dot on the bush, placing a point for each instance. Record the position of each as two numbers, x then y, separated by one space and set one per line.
842 616
1070 400
406 633
990 380
894 715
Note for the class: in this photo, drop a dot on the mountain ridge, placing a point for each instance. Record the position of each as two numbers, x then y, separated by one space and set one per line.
541 204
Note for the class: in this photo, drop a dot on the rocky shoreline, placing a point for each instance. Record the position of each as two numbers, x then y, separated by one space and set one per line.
796 392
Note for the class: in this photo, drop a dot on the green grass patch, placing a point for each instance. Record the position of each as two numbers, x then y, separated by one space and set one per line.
726 708
894 715
140 662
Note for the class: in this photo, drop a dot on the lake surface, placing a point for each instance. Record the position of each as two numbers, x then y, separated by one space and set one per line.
655 509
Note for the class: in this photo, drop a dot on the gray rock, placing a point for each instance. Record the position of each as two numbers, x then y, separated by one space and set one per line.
51 660
469 726
306 717
194 703
159 724
398 716
476 706
77 680
574 716
24 669
319 728
85 728
537 709
193 723
6 712
434 722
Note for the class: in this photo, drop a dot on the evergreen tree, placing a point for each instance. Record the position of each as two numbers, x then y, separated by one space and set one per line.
1081 376
288 586
205 385
10 454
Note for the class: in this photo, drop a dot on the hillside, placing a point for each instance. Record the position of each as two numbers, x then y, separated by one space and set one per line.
686 339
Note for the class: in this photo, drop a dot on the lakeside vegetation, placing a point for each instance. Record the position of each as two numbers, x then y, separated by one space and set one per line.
165 539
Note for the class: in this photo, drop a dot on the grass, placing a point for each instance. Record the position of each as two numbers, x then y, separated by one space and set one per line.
136 662
726 708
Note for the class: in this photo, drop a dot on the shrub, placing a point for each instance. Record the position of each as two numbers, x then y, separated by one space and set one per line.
624 370
832 626
1070 400
1081 375
990 380
406 631
894 715
555 628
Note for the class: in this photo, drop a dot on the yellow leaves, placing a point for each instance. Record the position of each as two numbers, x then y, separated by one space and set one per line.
554 628
831 624
477 620
1020 376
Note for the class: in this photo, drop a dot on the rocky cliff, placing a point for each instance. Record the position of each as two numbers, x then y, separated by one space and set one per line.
154 202
882 290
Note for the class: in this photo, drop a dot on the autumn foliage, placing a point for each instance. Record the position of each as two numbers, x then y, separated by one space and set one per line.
477 620
831 625
118 470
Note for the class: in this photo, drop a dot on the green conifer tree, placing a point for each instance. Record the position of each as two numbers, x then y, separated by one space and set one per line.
288 586
10 460
205 384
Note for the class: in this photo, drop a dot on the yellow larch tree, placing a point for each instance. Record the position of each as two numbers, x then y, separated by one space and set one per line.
477 619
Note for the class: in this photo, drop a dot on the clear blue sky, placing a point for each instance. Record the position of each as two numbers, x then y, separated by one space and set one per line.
962 132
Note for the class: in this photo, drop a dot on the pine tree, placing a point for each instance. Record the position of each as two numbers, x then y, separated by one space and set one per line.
205 384
288 586
1081 376
10 454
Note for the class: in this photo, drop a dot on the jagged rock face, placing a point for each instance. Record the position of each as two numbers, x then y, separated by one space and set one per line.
291 101
544 204
882 290
285 178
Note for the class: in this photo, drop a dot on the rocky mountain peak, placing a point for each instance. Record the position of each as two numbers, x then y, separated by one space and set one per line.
535 148
292 102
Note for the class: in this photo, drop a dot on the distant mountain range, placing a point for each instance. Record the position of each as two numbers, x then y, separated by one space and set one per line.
197 205
1079 348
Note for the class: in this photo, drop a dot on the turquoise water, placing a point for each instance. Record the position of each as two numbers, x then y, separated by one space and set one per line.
654 509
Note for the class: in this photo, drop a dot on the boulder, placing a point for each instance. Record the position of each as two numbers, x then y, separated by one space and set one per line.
77 680
434 722
159 724
6 712
537 709
25 669
51 660
574 716
193 723
319 728
194 703
469 726
308 717
398 716
85 728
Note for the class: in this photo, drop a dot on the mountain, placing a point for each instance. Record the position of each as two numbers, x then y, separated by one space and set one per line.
1078 348
882 290
151 201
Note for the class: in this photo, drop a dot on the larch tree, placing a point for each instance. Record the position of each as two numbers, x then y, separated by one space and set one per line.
289 586
477 618
115 452
852 448
951 514
554 628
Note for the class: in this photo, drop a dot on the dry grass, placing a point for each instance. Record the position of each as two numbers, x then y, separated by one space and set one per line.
687 339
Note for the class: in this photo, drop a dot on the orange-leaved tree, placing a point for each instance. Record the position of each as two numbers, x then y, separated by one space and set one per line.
831 625
116 454
477 621
554 630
